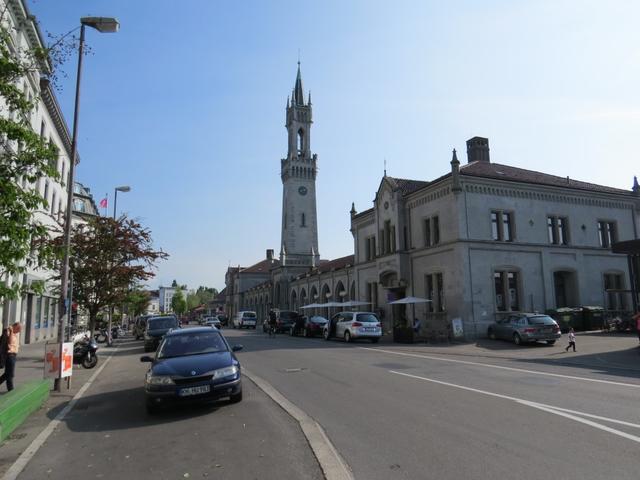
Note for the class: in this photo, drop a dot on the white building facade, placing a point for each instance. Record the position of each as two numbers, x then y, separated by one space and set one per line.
487 240
38 313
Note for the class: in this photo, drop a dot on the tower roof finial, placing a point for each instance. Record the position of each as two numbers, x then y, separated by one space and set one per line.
298 94
385 166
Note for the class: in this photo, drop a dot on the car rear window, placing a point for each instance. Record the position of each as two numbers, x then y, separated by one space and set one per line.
249 315
191 344
541 320
367 317
162 323
318 320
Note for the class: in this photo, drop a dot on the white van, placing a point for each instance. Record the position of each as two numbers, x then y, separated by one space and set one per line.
245 319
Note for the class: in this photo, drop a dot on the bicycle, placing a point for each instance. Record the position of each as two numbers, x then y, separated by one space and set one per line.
271 330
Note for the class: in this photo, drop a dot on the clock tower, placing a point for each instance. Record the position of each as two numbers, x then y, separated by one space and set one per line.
299 246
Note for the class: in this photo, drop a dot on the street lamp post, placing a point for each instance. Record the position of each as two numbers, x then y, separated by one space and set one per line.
124 189
103 25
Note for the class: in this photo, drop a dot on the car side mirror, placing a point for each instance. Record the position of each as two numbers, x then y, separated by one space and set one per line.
146 358
237 348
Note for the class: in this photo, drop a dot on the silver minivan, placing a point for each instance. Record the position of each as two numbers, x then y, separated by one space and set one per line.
353 325
245 319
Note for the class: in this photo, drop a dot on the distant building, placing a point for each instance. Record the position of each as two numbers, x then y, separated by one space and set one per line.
84 205
165 296
154 303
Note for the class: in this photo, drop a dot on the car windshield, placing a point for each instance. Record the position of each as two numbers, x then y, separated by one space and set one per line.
541 320
288 315
249 315
191 344
367 317
162 323
318 320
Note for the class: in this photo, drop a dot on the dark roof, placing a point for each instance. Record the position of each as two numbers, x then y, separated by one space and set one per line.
515 174
336 264
407 186
261 267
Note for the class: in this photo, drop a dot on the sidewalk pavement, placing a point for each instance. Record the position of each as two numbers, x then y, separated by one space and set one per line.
612 353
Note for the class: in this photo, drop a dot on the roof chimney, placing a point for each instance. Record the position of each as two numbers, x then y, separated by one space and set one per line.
270 254
478 150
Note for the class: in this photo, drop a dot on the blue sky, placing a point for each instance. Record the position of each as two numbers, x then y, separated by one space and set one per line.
186 105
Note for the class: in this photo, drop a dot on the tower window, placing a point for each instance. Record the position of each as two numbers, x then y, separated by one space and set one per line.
300 141
303 221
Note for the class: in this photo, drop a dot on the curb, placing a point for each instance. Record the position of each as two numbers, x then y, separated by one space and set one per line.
331 463
17 405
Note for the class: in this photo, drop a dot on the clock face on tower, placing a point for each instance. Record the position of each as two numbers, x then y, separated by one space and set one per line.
302 190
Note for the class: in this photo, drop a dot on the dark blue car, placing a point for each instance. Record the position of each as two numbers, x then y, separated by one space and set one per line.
192 364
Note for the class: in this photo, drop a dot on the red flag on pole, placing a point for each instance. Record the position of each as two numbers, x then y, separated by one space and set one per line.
103 203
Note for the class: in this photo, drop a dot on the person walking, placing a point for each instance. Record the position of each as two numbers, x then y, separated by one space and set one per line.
12 337
572 341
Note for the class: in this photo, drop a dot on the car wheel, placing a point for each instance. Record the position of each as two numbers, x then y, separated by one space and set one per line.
347 337
236 398
254 327
375 340
492 334
516 339
551 342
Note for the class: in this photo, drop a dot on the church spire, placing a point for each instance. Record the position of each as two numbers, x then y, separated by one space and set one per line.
298 94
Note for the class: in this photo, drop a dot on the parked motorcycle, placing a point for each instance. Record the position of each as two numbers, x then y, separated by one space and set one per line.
84 352
101 336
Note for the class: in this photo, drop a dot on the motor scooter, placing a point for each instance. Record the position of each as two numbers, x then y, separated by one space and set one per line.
84 352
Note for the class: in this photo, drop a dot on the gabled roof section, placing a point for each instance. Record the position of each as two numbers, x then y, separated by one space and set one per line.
336 264
261 267
515 174
407 186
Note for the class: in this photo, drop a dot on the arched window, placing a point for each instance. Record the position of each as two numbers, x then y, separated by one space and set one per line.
303 221
300 140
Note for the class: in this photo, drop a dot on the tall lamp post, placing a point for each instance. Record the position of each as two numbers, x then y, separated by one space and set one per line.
103 25
124 189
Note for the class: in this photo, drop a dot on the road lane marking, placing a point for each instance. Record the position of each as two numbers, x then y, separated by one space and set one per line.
33 448
331 462
541 406
500 367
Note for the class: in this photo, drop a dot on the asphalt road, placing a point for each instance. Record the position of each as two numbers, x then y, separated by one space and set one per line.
394 413
109 435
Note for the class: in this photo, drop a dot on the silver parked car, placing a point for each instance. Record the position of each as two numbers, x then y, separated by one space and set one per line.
353 325
525 327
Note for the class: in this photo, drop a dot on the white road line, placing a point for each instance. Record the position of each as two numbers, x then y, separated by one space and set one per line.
33 448
500 367
540 406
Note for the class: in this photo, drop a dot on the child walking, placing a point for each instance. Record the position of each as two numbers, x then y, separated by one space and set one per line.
572 341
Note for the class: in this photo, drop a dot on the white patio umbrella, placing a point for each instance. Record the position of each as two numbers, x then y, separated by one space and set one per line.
311 305
409 300
354 303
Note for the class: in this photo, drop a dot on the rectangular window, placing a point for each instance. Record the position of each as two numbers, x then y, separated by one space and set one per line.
430 293
405 238
440 289
507 291
495 230
38 312
46 190
499 287
607 233
53 203
614 286
45 319
502 226
557 228
392 236
367 249
373 247
427 232
436 230
382 242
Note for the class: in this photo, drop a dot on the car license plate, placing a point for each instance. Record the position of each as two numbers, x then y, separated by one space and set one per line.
369 329
186 392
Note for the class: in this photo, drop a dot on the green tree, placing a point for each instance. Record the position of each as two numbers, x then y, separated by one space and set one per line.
174 284
25 158
193 301
137 300
107 256
178 303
